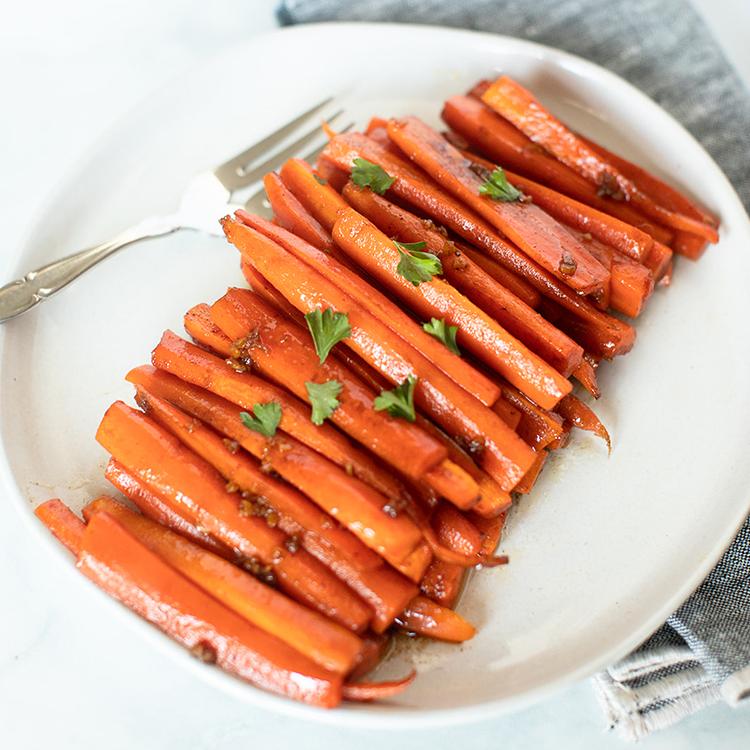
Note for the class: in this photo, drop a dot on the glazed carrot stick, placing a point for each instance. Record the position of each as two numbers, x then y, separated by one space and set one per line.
442 582
316 637
573 410
376 304
659 260
157 510
372 250
65 525
463 273
428 618
524 223
507 412
334 176
261 287
498 140
602 334
130 572
192 488
204 331
364 692
504 455
511 100
537 426
282 350
322 201
373 649
189 363
585 374
456 531
224 417
417 562
292 215
353 503
529 480
491 530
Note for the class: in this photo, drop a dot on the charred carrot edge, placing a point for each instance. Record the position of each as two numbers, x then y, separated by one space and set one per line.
316 637
157 510
322 201
573 410
507 412
527 483
538 427
282 350
536 233
504 454
495 138
430 619
456 531
585 374
468 277
511 100
192 488
292 215
354 503
65 525
604 334
376 304
373 691
130 572
190 363
224 417
372 250
442 582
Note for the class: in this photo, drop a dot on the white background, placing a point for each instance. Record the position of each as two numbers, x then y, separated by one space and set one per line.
69 677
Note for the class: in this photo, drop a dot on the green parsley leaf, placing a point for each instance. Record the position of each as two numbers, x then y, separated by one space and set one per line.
498 188
320 180
416 266
265 418
443 332
327 329
400 401
324 399
367 174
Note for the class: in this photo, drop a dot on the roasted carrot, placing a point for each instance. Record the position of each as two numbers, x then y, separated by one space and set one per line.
364 692
373 648
320 639
322 201
157 510
334 176
585 374
491 530
478 332
456 531
658 261
352 502
507 412
602 334
573 410
225 418
261 287
194 489
388 313
529 480
65 525
467 276
511 100
200 368
537 426
531 229
292 215
129 571
425 617
504 454
442 582
204 331
498 140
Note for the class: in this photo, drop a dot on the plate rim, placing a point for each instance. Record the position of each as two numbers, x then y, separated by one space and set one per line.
381 716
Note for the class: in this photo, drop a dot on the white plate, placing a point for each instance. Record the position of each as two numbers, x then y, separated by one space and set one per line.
605 548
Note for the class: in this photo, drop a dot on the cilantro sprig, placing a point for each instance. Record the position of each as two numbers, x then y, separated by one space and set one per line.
414 265
324 398
367 174
498 188
444 333
327 328
398 402
264 419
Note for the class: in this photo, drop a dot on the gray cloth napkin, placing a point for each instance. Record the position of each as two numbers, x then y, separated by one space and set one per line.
702 654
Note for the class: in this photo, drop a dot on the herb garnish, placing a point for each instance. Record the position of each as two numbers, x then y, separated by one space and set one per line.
398 402
367 174
416 266
498 188
327 329
443 332
324 399
264 419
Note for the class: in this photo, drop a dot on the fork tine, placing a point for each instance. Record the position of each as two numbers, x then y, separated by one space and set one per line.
281 156
227 172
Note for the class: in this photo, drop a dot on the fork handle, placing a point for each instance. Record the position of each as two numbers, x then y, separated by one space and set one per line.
36 286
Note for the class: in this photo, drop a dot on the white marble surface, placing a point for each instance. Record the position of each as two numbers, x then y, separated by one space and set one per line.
69 677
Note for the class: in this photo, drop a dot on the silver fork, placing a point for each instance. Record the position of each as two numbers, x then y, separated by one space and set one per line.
207 197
